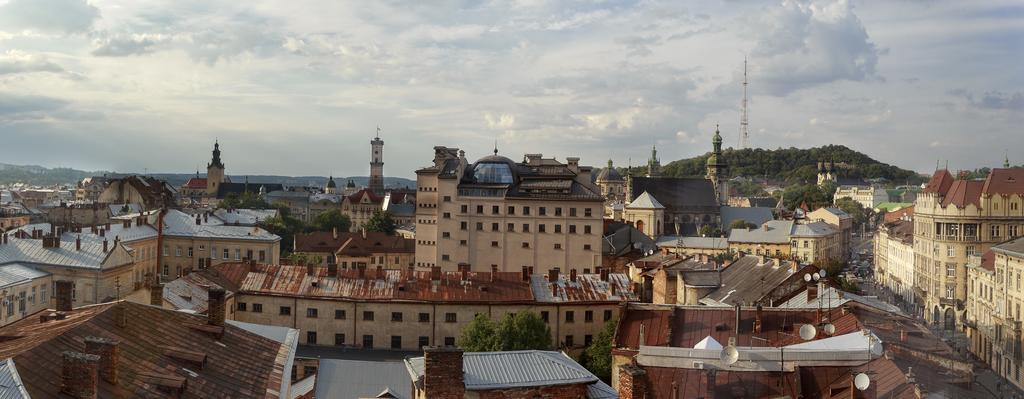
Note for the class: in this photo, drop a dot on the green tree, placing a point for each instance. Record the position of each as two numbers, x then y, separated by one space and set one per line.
598 356
246 200
332 219
854 208
284 225
516 331
381 222
709 231
741 224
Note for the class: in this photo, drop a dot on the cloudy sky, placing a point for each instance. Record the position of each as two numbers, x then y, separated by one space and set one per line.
298 88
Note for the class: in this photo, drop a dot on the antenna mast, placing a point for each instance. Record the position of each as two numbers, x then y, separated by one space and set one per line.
744 137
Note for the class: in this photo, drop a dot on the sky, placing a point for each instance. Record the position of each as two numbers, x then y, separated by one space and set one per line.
299 88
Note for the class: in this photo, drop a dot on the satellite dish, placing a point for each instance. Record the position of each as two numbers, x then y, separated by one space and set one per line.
730 355
876 348
822 273
815 276
829 328
861 381
808 332
807 277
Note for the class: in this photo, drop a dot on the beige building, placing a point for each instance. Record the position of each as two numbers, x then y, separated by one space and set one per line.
90 188
771 239
993 309
840 221
894 258
953 220
815 242
356 250
26 291
194 242
146 192
868 196
646 214
11 218
613 189
359 207
539 213
403 309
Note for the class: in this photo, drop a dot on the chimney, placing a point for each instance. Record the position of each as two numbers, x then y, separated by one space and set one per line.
199 220
215 312
526 274
553 275
78 243
79 375
206 217
614 288
764 259
765 226
812 292
572 275
107 226
442 373
335 233
738 319
554 290
494 272
632 382
380 272
106 349
63 292
604 274
364 232
711 384
758 317
465 273
792 266
156 292
103 233
435 273
104 245
361 271
310 269
412 273
332 269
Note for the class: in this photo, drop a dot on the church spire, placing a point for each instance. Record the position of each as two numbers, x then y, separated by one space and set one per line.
1006 159
215 162
653 164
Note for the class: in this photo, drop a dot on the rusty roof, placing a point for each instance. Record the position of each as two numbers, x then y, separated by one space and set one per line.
685 326
897 215
887 381
239 364
585 288
353 244
672 383
1004 182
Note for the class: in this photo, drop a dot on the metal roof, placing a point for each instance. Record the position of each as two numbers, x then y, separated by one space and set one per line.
177 223
1013 248
31 251
587 287
771 232
11 386
693 242
813 229
356 379
17 273
247 217
645 201
514 369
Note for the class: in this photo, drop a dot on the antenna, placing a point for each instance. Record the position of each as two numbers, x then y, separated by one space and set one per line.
861 381
808 332
729 355
378 131
744 136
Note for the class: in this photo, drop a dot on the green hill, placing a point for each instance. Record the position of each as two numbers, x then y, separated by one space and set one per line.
794 165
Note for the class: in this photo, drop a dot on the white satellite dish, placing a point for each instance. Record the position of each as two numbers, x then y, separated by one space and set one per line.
807 277
730 355
861 381
808 332
876 348
816 277
822 273
829 328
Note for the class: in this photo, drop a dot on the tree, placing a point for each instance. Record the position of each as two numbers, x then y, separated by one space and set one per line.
854 208
381 222
284 225
741 224
246 200
598 356
515 331
332 219
708 230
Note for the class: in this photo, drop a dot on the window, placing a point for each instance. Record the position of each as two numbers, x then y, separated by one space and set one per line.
544 315
339 339
494 244
227 253
558 211
450 318
367 316
263 255
511 227
542 211
568 341
494 227
951 291
479 226
540 228
511 210
526 210
423 341
572 212
449 341
462 242
572 229
586 247
424 317
339 314
463 226
447 215
167 270
558 229
526 244
994 231
558 246
189 252
285 310
177 251
312 313
526 227
587 212
167 252
586 229
257 308
445 257
42 293
447 198
396 342
588 339
588 316
464 208
479 209
368 341
971 250
570 316
607 315
238 254
446 234
951 270
240 306
396 316
311 337
1011 231
495 209
950 251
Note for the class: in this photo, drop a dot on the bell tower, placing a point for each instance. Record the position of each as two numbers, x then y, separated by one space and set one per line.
377 164
214 171
716 169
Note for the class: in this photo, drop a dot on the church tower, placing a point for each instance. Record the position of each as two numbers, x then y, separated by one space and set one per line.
214 171
653 164
377 164
717 169
332 187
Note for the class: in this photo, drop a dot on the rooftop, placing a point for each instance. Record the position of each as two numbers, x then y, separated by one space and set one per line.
358 379
749 279
1013 247
771 232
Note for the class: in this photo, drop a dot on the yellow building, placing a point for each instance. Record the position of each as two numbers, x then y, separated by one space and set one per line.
539 213
954 219
771 238
993 308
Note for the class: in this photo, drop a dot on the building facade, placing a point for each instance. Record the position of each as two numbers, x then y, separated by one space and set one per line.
955 219
894 260
868 196
840 221
539 213
993 317
377 164
815 242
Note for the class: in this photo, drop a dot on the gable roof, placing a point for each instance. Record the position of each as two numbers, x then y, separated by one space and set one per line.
939 182
1005 182
678 193
514 369
645 201
358 379
963 192
771 232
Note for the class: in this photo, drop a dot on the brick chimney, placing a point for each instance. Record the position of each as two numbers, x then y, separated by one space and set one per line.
156 292
526 274
332 269
442 373
79 375
465 273
494 272
632 382
310 269
553 275
105 245
363 231
435 273
758 318
812 292
78 243
106 349
215 312
572 275
334 233
63 292
380 272
604 274
361 271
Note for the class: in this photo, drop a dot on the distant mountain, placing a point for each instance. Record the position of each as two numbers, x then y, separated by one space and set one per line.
794 165
42 176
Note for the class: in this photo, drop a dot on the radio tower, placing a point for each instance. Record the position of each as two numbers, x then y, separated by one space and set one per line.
744 137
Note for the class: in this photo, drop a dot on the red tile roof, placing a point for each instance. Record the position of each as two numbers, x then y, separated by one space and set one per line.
898 214
318 241
887 381
196 182
1005 182
963 192
939 182
988 260
358 196
239 364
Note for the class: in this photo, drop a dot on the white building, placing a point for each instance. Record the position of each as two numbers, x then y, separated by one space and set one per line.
894 258
867 196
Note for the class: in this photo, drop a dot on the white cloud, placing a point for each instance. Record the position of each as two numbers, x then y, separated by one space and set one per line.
57 16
